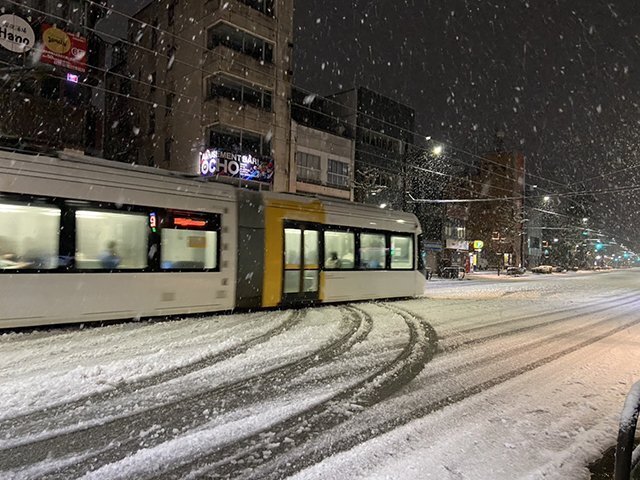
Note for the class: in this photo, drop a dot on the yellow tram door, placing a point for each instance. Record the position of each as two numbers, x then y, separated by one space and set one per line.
301 265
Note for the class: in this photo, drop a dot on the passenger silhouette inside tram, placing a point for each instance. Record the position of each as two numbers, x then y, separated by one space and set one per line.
110 259
333 261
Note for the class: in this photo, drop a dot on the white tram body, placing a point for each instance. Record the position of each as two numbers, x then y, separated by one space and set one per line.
85 240
44 296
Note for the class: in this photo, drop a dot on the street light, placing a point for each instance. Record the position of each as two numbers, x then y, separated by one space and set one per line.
546 198
585 220
437 150
383 205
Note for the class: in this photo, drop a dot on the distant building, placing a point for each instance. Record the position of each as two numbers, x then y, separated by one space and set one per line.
384 132
216 79
48 94
499 224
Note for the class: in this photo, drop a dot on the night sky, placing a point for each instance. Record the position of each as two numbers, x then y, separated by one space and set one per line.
559 77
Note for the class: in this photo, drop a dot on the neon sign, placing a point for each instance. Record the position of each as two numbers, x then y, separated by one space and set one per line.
217 162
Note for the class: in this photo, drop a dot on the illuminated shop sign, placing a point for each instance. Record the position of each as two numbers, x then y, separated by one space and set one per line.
63 49
217 162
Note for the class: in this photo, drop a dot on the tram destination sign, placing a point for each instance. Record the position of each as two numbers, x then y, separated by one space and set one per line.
218 162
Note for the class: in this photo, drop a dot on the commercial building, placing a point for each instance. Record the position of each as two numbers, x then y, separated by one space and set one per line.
214 81
47 93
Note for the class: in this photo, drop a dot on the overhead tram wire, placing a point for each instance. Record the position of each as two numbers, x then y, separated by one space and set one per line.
196 116
197 68
355 110
603 175
106 90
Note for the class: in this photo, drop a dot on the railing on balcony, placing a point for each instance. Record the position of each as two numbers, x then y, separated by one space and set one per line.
265 7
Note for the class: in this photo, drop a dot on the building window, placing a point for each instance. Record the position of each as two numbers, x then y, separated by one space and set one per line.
154 34
152 122
338 174
50 88
171 13
240 41
381 141
264 6
171 53
125 87
220 86
239 141
454 231
308 167
167 151
168 103
152 81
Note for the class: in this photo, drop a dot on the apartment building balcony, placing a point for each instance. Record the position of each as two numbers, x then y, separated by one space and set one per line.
226 60
236 115
240 15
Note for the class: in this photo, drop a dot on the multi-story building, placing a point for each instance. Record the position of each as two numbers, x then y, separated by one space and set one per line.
215 77
47 93
384 134
322 149
500 223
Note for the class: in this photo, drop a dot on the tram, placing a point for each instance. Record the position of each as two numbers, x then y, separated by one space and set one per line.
84 240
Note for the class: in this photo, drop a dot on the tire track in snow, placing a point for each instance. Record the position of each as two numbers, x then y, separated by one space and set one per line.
259 448
119 434
522 349
51 411
457 320
478 340
312 454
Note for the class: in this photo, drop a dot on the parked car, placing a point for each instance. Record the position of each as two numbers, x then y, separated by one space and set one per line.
515 271
542 269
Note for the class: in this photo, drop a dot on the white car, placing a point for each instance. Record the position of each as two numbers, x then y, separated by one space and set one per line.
542 269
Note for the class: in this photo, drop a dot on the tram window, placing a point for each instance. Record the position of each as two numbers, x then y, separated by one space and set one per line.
188 249
401 252
292 248
311 249
29 237
110 241
339 250
372 251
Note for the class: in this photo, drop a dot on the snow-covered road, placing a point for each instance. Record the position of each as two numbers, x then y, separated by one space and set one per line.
483 379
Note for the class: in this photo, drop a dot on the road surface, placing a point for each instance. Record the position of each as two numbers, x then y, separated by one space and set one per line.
482 379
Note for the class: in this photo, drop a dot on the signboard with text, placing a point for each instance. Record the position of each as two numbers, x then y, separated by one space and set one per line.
219 162
16 35
454 244
63 49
